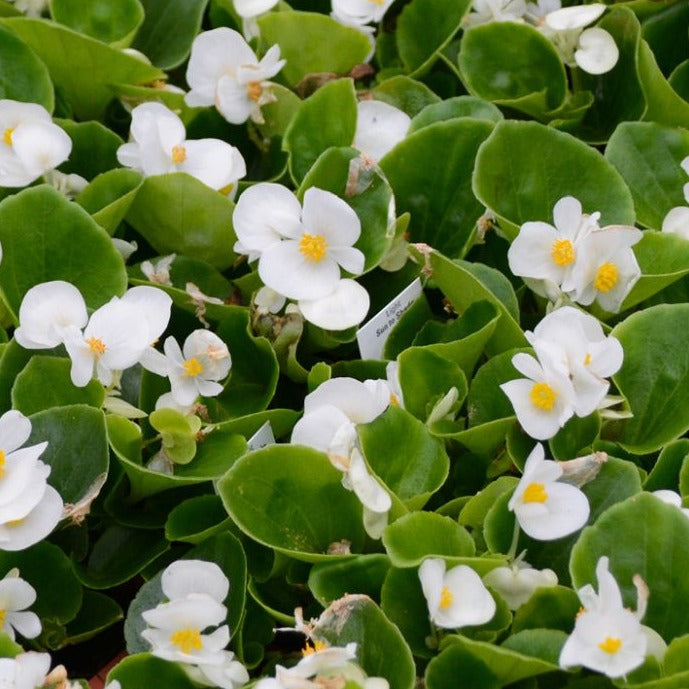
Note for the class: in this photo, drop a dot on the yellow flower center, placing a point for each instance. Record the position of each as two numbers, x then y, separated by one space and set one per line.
542 396
192 367
446 598
179 154
313 247
562 252
187 640
313 647
610 645
15 522
226 191
2 465
7 136
97 346
606 277
254 90
535 492
3 614
394 400
587 359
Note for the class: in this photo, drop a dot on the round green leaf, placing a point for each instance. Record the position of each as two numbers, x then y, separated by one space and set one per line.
405 93
550 607
455 661
511 174
196 519
97 613
110 22
45 237
276 496
452 108
94 148
144 671
666 470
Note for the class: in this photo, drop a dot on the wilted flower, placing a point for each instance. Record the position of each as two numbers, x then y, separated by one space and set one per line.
517 583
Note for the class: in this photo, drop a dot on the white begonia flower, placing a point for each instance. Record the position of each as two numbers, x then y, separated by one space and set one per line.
31 143
15 596
25 671
456 598
183 577
379 128
607 269
544 401
196 369
320 659
228 674
677 221
597 52
224 71
586 352
518 582
537 12
671 498
486 11
545 252
159 272
175 630
159 146
46 311
69 185
545 508
607 637
345 307
306 264
360 12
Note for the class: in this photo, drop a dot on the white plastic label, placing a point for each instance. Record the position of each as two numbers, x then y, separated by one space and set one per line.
372 336
263 436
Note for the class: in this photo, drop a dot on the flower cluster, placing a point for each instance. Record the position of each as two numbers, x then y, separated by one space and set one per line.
225 72
568 374
178 630
117 335
159 146
301 250
576 257
677 219
29 507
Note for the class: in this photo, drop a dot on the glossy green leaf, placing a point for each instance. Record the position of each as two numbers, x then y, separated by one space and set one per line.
24 77
364 574
85 71
405 93
97 613
46 383
312 43
404 455
665 32
642 536
481 440
439 197
110 22
94 148
176 213
513 65
195 519
178 433
168 30
551 607
514 180
666 470
326 119
143 671
653 376
576 437
276 496
14 359
441 21
45 237
452 108
455 661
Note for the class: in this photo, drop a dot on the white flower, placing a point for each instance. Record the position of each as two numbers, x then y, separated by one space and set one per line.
159 146
227 674
196 369
379 128
15 596
31 143
183 577
321 659
159 272
486 11
360 12
25 671
344 307
597 52
69 185
225 72
456 598
607 637
544 401
671 498
517 583
546 509
587 353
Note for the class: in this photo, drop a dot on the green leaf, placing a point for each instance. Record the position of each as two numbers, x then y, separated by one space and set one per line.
456 661
329 581
313 43
642 536
23 76
576 437
276 496
653 376
540 643
176 213
665 32
513 65
110 22
514 180
666 470
178 433
381 649
551 607
418 535
648 156
144 671
326 119
405 93
452 108
168 30
84 73
45 237
440 20
97 613
196 519
439 197
77 449
45 382
94 148
404 455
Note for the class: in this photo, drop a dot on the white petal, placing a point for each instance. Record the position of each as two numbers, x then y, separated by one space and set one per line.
252 8
350 396
379 128
198 610
344 308
597 53
233 102
371 494
471 603
27 624
16 594
41 146
566 511
213 162
318 427
431 573
15 429
576 17
35 526
328 215
677 221
195 576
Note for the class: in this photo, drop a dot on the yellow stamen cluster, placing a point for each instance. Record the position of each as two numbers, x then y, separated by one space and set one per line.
3 614
226 190
7 136
96 345
606 277
587 359
2 468
562 252
192 367
179 154
313 247
446 598
313 647
535 492
542 396
187 640
610 645
394 400
254 90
